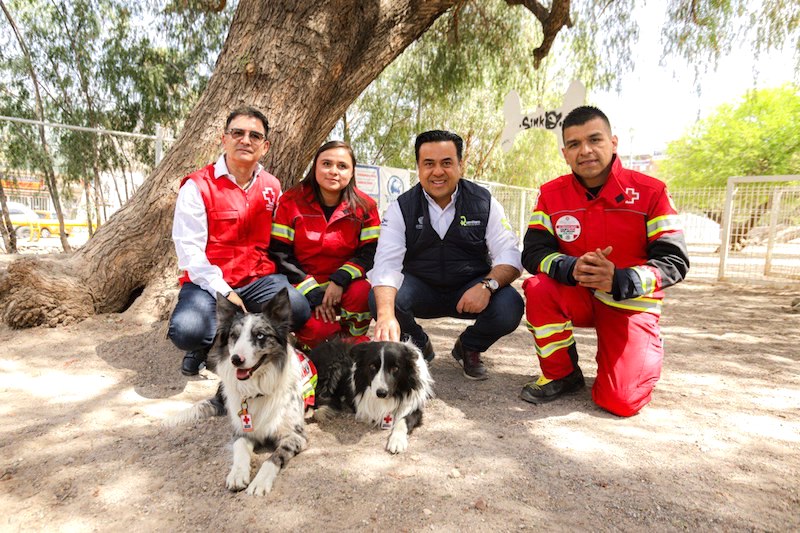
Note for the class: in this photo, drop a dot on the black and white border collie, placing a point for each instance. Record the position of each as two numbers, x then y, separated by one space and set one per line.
386 384
261 385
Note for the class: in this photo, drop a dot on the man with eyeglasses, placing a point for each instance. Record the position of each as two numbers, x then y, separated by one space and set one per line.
221 231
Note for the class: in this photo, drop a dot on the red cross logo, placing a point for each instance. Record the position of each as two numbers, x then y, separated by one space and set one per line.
387 419
269 196
246 420
633 193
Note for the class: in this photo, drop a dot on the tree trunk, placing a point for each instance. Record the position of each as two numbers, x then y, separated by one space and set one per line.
88 196
302 62
6 227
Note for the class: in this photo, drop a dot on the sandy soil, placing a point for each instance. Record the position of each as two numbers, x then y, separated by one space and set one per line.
82 449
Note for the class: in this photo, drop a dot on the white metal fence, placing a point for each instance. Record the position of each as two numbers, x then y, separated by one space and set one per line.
761 226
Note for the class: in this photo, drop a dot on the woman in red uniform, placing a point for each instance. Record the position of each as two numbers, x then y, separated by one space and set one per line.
324 235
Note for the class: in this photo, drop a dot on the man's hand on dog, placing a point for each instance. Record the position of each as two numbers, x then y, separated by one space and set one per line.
235 299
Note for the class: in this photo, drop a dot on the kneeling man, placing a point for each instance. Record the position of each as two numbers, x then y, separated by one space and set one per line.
602 243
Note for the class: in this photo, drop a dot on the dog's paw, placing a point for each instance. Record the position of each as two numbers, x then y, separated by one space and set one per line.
262 484
238 479
257 488
398 442
324 413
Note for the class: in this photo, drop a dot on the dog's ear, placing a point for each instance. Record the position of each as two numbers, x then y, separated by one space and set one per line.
411 351
279 308
360 350
226 310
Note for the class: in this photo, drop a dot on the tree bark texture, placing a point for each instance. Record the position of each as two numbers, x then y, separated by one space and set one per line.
302 62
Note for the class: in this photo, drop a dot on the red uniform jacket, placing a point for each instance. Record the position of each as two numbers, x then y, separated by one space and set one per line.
632 212
311 250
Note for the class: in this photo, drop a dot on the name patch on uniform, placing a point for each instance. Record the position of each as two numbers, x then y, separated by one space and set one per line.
568 228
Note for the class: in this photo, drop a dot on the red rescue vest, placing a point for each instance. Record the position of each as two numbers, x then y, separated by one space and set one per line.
239 224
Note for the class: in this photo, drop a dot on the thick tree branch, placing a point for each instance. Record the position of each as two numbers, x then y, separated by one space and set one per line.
552 21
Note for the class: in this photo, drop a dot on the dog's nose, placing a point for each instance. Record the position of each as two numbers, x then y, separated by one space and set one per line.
381 393
236 360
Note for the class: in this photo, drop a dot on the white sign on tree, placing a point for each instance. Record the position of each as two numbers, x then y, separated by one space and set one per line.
516 121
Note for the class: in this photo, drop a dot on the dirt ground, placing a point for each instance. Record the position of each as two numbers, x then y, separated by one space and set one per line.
82 449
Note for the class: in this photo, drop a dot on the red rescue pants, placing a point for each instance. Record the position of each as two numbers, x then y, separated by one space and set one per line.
354 318
629 348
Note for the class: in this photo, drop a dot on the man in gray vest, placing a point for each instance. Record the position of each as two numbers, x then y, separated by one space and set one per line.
446 249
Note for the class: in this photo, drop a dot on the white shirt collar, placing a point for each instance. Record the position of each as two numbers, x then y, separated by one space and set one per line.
221 169
432 202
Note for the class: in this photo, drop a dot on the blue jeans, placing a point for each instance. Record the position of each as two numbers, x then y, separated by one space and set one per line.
418 299
193 323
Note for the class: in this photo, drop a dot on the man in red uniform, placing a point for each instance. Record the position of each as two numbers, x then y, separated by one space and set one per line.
602 242
221 232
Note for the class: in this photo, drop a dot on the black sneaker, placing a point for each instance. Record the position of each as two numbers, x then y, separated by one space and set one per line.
427 353
193 362
471 361
545 390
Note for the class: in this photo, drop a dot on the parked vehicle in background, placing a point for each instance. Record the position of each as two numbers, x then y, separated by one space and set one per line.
24 219
30 224
48 224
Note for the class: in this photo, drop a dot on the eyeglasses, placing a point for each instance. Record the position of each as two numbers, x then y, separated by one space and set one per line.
256 137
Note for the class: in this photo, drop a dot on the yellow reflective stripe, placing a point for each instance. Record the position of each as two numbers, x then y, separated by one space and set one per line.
281 231
547 262
357 332
548 330
647 278
505 224
370 233
350 269
641 304
309 387
546 351
662 224
307 285
540 218
358 317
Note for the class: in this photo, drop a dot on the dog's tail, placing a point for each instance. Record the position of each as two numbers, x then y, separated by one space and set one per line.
200 411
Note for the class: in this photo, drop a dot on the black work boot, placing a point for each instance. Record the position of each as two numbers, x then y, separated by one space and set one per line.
193 362
545 390
471 361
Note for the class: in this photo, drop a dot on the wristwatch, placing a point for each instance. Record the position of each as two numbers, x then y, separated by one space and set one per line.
491 284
